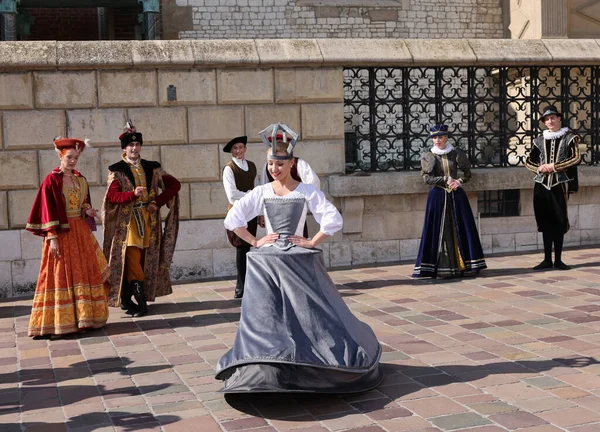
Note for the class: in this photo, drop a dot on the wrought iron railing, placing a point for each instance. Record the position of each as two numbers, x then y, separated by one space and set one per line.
493 112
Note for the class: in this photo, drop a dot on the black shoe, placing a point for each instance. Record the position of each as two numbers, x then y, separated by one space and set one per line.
238 294
140 298
559 265
127 304
543 265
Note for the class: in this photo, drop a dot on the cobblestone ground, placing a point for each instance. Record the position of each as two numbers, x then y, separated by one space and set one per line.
511 350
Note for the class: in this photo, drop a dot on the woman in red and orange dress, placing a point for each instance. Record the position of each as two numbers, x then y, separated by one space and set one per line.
71 291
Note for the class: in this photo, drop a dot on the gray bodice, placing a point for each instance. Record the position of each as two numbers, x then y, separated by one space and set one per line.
285 216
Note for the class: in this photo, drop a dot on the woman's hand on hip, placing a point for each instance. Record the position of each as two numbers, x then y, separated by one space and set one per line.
302 242
268 239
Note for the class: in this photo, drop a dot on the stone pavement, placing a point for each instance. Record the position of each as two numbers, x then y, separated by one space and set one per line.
510 350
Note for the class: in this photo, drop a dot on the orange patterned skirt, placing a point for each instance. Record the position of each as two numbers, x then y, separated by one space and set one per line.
71 292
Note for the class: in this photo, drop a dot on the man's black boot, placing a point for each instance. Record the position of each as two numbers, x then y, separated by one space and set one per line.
126 303
140 298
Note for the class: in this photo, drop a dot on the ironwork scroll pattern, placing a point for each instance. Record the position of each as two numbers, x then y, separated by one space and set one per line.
493 112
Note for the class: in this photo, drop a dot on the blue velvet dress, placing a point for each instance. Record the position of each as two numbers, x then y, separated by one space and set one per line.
450 245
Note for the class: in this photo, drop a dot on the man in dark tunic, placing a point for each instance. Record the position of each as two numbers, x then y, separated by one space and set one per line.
554 157
239 177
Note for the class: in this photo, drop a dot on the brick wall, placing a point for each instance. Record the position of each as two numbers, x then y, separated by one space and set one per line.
247 19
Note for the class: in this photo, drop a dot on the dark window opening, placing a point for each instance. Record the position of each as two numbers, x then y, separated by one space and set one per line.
497 203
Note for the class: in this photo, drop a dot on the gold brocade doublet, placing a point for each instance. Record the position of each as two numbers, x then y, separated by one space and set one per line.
138 233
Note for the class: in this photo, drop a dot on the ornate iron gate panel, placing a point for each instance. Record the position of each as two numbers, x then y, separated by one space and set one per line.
493 112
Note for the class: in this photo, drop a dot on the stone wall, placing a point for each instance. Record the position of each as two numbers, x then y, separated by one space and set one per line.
248 19
229 88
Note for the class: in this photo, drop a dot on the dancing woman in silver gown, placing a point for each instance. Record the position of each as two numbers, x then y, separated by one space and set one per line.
295 334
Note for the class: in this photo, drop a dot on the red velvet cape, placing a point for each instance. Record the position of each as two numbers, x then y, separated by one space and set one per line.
49 209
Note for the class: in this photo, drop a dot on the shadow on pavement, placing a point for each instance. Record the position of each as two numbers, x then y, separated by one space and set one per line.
400 381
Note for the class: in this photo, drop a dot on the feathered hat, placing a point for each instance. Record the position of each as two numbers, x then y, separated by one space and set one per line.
130 135
61 143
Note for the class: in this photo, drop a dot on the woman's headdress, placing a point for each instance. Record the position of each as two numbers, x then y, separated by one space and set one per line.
61 143
282 133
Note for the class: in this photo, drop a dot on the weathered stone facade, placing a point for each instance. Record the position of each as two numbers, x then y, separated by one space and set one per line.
229 88
257 19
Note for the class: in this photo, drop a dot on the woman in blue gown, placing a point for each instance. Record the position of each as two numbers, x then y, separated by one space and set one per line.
450 245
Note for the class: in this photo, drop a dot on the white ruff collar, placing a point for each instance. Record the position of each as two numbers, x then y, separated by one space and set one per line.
435 150
554 135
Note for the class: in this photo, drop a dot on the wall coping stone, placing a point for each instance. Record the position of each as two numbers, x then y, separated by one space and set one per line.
411 182
44 55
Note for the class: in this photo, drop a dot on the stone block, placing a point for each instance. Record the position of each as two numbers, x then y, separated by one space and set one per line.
191 162
272 52
224 53
589 215
486 243
573 51
365 52
11 245
184 203
5 280
408 225
16 91
162 53
526 241
573 212
202 234
374 227
259 117
352 211
502 243
508 225
88 164
194 87
224 262
340 254
409 248
208 200
592 195
382 15
323 121
3 210
91 54
161 125
215 124
28 55
434 52
245 86
309 85
101 126
65 89
19 170
526 202
32 129
388 251
257 153
509 51
572 238
24 276
31 245
192 265
127 88
330 159
19 206
364 252
590 237
109 156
